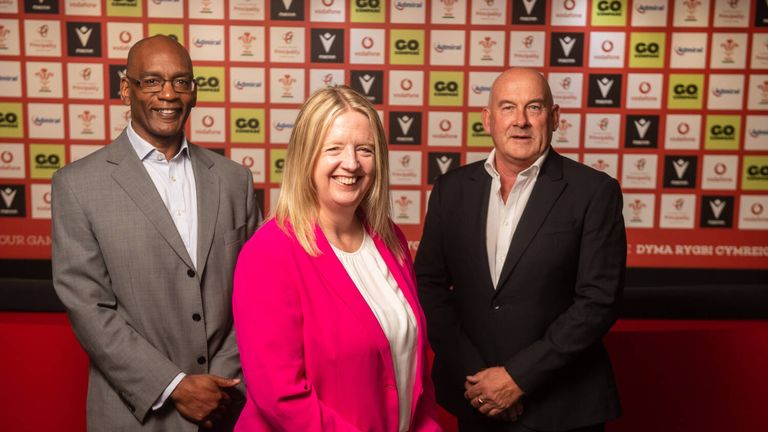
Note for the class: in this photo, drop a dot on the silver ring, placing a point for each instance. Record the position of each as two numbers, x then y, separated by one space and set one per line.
480 400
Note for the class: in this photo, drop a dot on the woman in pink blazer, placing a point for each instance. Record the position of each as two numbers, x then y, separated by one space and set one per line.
330 332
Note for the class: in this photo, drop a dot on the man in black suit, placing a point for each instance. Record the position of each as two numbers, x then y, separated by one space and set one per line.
520 269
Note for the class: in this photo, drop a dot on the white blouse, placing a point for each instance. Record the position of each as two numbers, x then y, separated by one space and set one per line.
373 279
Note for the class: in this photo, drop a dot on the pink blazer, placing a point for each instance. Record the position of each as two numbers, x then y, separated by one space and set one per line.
314 356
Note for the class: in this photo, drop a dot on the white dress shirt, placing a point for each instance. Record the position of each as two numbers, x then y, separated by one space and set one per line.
503 217
175 182
375 282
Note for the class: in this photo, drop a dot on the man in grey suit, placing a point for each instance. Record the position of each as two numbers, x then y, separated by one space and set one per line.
146 232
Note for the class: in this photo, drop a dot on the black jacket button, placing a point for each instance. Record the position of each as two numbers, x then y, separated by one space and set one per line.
201 360
196 317
191 273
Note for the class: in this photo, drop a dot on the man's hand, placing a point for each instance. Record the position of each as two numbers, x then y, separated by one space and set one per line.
492 391
202 399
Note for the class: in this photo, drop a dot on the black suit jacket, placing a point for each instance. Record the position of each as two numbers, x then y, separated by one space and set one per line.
556 297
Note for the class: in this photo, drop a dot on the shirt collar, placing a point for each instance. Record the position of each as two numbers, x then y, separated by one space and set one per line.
533 170
144 149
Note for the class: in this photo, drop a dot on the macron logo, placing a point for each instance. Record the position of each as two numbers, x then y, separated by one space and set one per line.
642 127
327 40
84 33
529 4
717 207
681 166
287 4
605 86
405 123
8 196
367 81
444 162
567 44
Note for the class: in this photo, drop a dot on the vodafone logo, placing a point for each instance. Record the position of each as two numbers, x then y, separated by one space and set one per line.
6 157
367 42
208 121
327 3
406 84
756 209
569 4
683 128
445 125
644 87
248 162
720 168
47 198
607 46
125 37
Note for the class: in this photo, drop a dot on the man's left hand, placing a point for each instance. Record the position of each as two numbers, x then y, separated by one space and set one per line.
492 391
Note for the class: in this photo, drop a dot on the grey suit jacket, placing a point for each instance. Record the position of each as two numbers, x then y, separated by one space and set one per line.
138 306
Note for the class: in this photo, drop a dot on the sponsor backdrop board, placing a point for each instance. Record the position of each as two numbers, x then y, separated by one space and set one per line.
670 97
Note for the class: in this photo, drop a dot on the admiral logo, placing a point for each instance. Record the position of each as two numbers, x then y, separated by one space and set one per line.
442 47
201 43
609 8
721 91
13 201
370 84
327 45
605 90
530 12
567 49
680 171
441 163
41 6
757 133
716 212
642 131
243 85
281 126
405 128
403 5
287 10
41 121
643 8
683 51
84 39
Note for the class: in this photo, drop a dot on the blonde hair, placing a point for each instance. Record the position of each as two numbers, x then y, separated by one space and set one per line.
298 203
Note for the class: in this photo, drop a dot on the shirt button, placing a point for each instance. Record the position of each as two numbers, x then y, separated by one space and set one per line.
201 360
190 273
196 317
497 307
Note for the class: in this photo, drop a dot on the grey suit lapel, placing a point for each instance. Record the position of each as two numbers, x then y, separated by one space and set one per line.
131 175
549 185
207 185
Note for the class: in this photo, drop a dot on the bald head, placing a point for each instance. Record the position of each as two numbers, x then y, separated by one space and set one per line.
525 76
153 45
